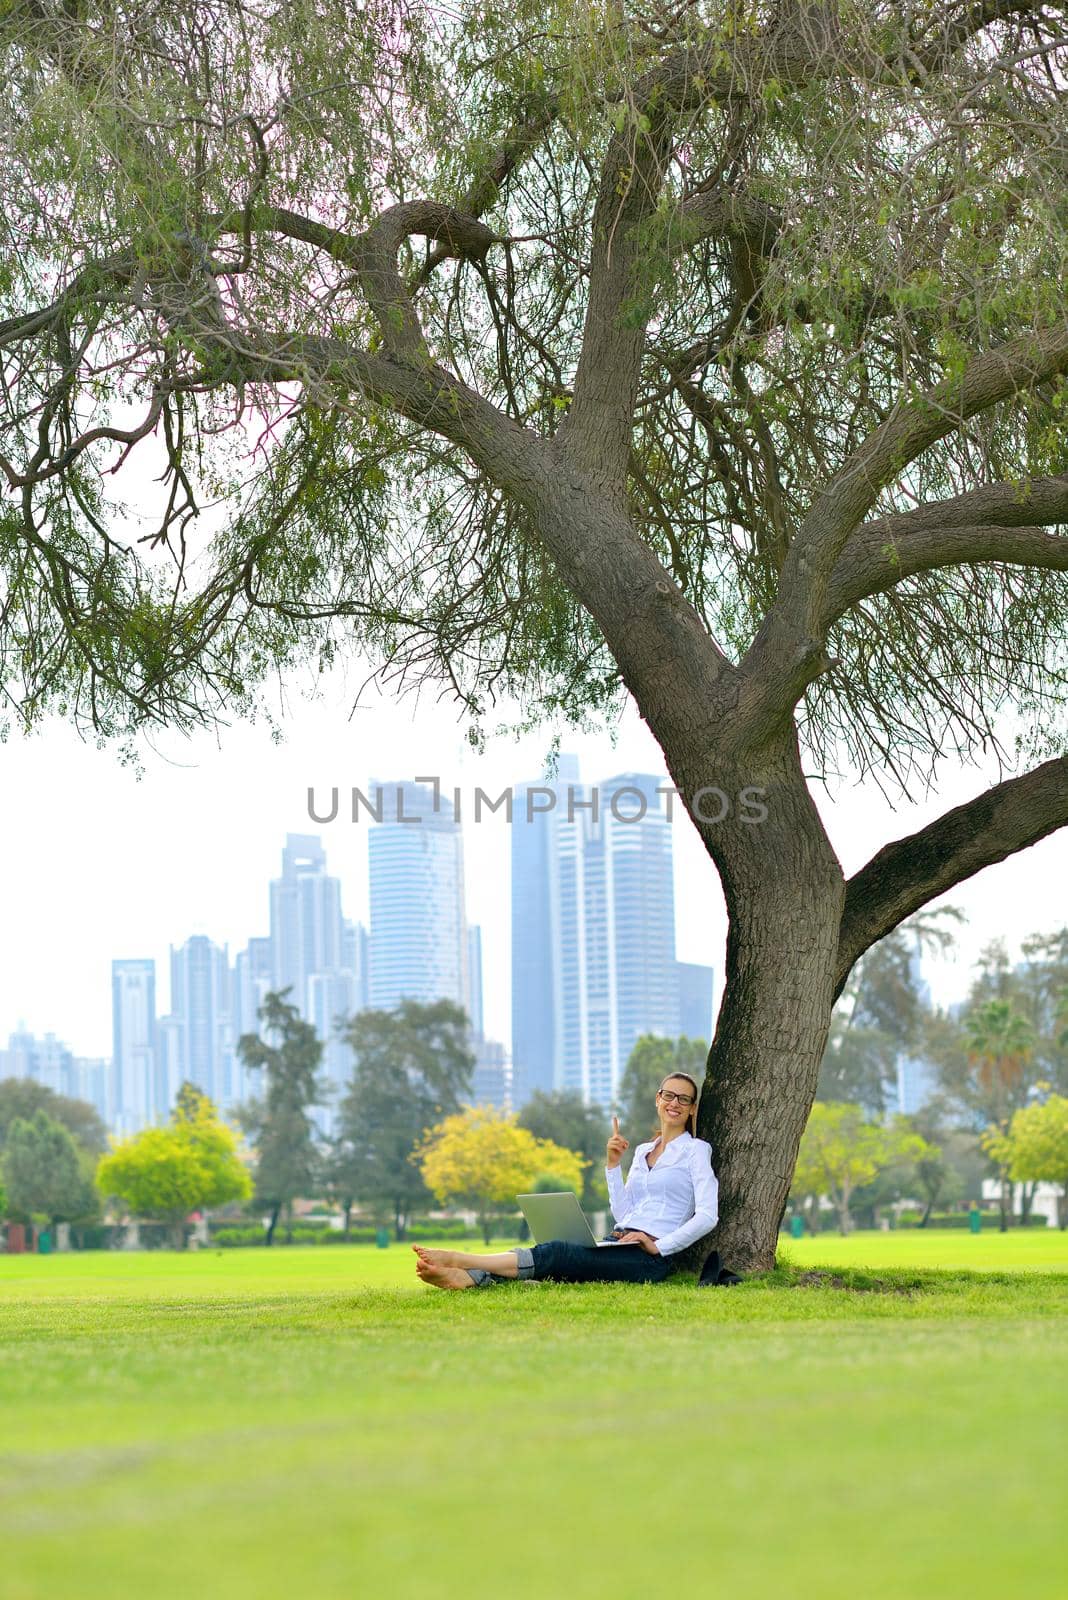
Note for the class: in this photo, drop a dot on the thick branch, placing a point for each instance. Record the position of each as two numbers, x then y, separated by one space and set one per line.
1003 522
906 874
372 254
789 651
599 425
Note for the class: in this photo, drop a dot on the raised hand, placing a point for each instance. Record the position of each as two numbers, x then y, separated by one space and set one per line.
616 1146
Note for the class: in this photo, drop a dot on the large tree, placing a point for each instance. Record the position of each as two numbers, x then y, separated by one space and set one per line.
710 352
413 1067
279 1123
43 1173
21 1097
566 1119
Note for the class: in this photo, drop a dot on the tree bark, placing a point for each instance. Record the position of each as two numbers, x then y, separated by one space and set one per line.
784 890
269 1240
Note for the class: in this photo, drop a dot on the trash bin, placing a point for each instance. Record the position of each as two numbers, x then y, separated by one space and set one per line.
797 1227
44 1243
382 1238
975 1221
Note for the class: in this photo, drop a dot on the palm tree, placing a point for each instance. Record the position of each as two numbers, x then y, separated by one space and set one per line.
1001 1042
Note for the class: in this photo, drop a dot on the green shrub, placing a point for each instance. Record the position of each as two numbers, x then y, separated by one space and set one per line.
960 1219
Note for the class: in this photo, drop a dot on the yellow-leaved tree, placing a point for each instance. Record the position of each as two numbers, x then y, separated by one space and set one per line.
484 1159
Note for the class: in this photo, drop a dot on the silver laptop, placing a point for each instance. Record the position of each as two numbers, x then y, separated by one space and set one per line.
559 1216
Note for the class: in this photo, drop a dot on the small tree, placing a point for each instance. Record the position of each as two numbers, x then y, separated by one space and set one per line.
483 1159
165 1173
841 1150
1001 1043
413 1066
280 1124
1038 1147
42 1171
564 1118
21 1097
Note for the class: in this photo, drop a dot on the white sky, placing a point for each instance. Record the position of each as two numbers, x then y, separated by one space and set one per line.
99 863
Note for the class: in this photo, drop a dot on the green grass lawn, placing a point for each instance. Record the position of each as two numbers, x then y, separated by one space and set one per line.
883 1417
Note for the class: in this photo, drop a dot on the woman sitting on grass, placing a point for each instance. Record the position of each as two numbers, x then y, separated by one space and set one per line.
669 1201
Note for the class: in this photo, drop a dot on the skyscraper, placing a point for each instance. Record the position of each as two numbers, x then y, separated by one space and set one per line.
331 996
593 933
474 980
536 976
200 1020
641 879
418 928
306 924
133 1027
356 959
695 1001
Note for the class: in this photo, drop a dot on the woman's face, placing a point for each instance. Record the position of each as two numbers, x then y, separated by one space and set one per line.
674 1102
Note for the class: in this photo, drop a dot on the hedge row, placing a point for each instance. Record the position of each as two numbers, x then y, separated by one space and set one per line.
251 1235
960 1219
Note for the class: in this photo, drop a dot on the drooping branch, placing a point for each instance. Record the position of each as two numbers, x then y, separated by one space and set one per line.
1002 522
909 872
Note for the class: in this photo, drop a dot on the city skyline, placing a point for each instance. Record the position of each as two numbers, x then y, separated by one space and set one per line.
133 860
610 949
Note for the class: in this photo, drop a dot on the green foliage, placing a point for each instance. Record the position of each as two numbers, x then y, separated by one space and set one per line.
279 1124
21 1097
1038 1136
42 1172
481 1158
841 1150
881 1014
165 1173
147 157
413 1067
565 1118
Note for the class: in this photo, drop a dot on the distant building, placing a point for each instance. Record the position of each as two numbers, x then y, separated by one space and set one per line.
133 1026
418 938
331 998
593 930
356 959
491 1082
306 922
695 1001
536 974
917 1084
251 981
54 1066
199 1029
474 980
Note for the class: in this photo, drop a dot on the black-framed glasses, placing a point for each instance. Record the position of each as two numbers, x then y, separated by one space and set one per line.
669 1095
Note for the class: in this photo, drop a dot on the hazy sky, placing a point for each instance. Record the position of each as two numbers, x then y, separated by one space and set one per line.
100 863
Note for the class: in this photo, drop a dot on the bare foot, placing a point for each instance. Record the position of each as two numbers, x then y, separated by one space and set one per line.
442 1277
438 1258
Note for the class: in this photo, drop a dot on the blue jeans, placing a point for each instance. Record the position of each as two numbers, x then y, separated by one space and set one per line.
559 1262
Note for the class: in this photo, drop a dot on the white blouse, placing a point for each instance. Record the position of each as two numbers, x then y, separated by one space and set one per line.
677 1202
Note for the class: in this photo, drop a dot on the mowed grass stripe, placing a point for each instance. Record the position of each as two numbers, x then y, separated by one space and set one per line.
316 1423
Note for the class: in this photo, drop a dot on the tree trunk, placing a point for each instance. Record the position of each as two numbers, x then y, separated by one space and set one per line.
784 890
486 1226
1004 1204
275 1210
1027 1200
399 1221
348 1217
928 1208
